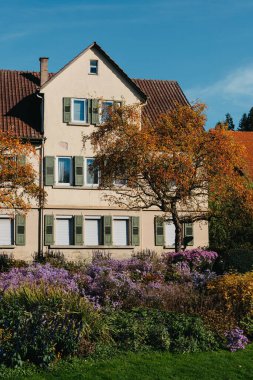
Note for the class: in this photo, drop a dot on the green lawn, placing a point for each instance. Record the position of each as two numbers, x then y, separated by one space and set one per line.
221 365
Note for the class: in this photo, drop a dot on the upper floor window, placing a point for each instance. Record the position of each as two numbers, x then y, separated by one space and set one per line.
79 110
92 173
64 166
6 231
93 66
105 110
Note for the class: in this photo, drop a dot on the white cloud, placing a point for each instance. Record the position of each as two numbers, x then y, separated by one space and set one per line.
12 36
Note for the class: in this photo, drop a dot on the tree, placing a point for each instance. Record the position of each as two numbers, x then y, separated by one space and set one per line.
243 123
173 165
229 121
18 177
250 120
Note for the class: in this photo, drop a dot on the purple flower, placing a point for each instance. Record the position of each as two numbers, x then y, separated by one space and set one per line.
236 340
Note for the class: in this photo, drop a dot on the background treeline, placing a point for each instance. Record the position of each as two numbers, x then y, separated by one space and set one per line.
245 123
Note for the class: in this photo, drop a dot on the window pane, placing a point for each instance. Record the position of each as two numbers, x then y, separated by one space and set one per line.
92 173
80 110
120 232
64 232
64 168
105 110
92 231
170 234
6 232
93 66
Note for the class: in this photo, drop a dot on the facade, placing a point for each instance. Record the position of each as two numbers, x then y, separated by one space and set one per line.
54 111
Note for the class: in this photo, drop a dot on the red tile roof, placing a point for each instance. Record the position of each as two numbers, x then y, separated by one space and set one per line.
246 139
20 105
162 96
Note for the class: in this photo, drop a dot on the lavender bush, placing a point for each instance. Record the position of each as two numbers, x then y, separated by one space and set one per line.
236 340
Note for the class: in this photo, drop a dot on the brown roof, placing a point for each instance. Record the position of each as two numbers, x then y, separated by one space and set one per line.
20 105
246 139
162 96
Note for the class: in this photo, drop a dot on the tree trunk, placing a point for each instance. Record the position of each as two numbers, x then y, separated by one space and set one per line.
178 227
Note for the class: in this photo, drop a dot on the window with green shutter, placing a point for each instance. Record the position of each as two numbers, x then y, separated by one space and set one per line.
78 230
20 225
135 230
107 229
95 111
78 171
49 170
49 230
188 234
159 231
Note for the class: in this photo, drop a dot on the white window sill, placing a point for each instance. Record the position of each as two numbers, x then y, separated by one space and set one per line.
7 246
79 124
95 187
91 247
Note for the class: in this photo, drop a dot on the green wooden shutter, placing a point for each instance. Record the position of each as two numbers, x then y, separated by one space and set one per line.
159 231
135 233
20 229
49 230
66 110
78 230
95 111
78 170
21 160
89 111
188 234
49 171
107 227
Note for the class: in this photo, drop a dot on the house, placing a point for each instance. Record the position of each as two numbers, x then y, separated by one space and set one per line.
53 111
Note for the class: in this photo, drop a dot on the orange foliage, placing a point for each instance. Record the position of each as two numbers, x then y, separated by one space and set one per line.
18 177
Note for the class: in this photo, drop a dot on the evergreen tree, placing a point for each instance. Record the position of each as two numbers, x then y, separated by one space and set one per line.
243 124
229 121
250 120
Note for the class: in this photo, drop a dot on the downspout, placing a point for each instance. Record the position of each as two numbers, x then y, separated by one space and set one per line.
41 184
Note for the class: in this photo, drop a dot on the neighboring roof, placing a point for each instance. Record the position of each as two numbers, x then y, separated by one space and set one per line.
95 46
19 105
246 139
162 96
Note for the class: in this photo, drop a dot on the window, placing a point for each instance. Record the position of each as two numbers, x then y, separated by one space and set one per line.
92 173
120 231
170 234
64 230
79 110
64 170
93 66
105 113
93 230
6 231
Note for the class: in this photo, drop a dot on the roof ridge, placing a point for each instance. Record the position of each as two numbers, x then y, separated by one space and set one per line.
156 80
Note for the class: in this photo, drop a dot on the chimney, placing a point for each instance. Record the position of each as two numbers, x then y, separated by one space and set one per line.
43 70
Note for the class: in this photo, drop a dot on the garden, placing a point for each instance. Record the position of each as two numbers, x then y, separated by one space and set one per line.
187 302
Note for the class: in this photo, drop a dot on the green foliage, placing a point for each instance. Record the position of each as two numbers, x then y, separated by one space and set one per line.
229 121
7 262
57 259
246 122
40 324
240 260
144 329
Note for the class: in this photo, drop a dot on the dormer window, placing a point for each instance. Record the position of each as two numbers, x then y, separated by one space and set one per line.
93 66
79 111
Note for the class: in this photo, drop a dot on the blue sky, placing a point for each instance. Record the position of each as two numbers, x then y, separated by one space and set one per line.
206 45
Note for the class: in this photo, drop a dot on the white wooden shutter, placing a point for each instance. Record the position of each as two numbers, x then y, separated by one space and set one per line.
5 231
170 234
63 233
120 232
92 231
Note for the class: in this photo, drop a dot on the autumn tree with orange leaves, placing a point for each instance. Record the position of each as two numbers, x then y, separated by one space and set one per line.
19 185
173 165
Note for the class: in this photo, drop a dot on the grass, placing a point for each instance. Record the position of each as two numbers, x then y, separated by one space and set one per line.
221 365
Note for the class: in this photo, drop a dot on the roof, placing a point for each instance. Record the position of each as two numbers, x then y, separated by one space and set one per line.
162 96
246 139
20 104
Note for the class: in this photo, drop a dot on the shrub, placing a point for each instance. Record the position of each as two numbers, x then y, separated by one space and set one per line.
7 262
40 323
235 291
240 260
236 340
141 329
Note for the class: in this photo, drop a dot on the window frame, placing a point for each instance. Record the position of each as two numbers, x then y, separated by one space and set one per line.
92 66
72 111
71 238
128 237
67 184
86 173
100 237
12 227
